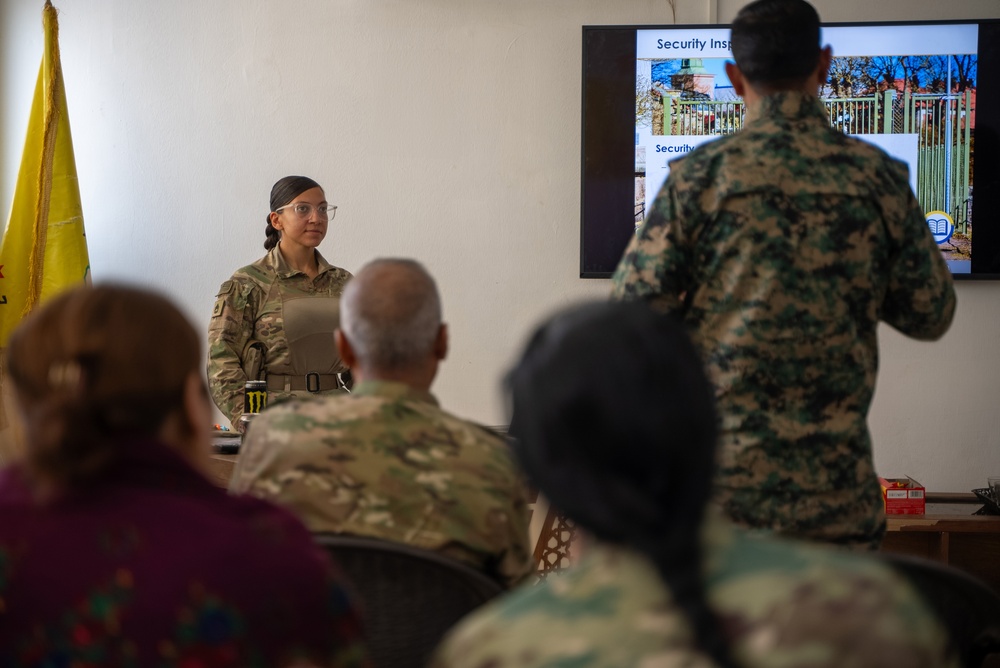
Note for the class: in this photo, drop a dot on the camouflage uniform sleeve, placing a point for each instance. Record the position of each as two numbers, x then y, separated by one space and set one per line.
789 599
654 267
518 564
497 538
920 299
256 462
228 333
852 620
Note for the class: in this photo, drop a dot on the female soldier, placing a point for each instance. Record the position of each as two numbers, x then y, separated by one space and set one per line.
274 319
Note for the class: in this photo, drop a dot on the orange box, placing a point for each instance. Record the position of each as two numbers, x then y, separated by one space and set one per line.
902 496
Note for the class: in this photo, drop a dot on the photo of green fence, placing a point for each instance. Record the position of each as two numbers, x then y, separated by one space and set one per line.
931 97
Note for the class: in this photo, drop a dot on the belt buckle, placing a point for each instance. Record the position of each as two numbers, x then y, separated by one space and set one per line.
312 377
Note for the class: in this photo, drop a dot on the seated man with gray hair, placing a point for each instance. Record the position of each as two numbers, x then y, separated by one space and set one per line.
386 461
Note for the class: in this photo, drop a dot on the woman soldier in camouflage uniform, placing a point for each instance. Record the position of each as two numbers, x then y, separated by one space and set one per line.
274 319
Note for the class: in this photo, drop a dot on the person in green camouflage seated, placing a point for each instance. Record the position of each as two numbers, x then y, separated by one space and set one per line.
273 320
386 461
782 247
659 581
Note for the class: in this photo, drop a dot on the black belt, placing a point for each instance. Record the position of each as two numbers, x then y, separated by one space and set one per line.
310 382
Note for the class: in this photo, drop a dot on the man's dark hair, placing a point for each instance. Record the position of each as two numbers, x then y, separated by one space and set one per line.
776 42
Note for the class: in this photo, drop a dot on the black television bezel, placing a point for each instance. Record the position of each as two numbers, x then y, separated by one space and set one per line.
607 151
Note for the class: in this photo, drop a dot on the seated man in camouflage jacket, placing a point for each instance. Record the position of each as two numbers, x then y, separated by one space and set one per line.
386 461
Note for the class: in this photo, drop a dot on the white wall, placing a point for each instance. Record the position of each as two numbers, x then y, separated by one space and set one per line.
447 130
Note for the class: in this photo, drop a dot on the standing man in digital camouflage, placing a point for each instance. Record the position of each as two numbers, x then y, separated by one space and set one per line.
386 461
782 247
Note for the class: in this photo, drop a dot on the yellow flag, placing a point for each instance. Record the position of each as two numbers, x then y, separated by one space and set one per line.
44 249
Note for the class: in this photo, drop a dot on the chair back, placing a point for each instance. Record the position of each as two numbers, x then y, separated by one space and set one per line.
409 596
967 606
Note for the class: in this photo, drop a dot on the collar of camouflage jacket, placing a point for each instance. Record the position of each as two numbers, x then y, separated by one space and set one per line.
392 391
716 536
787 105
284 270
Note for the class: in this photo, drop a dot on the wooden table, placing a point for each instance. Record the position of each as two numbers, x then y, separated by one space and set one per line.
948 532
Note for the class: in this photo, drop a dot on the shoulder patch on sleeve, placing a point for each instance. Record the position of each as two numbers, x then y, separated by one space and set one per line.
220 298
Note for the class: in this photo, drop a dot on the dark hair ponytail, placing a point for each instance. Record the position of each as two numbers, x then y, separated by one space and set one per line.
283 192
273 236
628 456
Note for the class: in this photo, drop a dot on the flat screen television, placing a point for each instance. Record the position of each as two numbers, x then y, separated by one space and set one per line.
926 92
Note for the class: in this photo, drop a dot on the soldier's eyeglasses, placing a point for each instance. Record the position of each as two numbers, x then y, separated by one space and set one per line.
304 210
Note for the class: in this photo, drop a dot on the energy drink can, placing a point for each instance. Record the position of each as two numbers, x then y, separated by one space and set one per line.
254 396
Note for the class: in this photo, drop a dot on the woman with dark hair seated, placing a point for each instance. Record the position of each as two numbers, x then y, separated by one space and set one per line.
115 550
660 580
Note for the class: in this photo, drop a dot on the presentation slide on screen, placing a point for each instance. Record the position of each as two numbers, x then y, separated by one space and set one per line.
661 150
910 90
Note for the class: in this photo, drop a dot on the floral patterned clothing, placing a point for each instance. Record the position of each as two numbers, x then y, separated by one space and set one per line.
152 565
